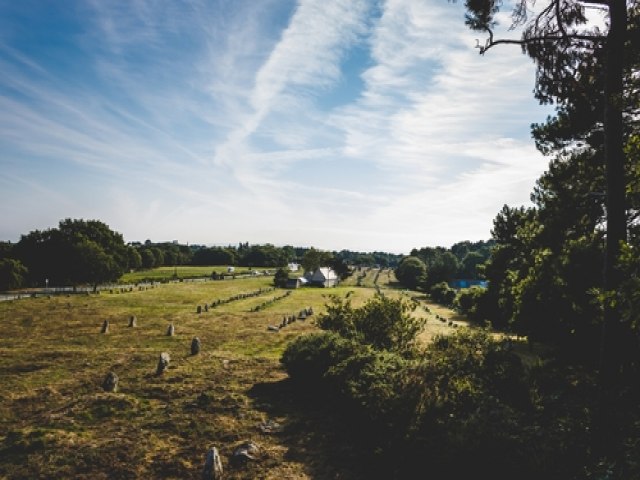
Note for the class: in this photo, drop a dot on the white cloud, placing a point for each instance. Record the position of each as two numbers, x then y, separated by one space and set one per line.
208 122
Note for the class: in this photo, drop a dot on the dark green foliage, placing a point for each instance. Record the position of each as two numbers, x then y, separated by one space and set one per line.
476 304
383 323
214 256
77 252
12 274
310 357
263 256
465 397
313 259
443 294
281 277
373 387
411 272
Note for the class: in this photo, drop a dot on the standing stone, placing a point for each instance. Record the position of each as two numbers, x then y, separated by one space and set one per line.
206 307
163 363
105 327
133 321
195 346
199 309
212 465
171 331
110 383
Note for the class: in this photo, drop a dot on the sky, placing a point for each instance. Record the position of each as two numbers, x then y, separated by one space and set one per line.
367 125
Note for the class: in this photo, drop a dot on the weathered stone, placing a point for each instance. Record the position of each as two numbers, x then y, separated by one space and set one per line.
195 346
212 465
105 327
206 307
244 453
133 321
199 309
273 328
110 383
171 330
163 363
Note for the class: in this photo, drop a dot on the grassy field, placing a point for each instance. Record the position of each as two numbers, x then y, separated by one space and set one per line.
182 271
57 422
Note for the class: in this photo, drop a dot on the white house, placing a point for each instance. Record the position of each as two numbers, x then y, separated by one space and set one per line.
294 267
323 277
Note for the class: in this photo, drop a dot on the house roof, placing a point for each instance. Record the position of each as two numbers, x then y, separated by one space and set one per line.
324 273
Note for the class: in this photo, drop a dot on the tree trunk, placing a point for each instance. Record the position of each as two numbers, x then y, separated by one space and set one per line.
612 351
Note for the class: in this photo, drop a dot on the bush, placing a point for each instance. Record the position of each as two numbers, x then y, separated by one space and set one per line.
280 278
383 323
373 384
308 358
442 293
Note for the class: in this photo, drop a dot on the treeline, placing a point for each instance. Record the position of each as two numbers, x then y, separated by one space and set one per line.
428 266
89 252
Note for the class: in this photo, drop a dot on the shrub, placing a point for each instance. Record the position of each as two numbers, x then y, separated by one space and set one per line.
374 386
280 278
309 357
442 293
383 323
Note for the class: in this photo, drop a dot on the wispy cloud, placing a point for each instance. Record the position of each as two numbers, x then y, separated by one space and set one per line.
216 121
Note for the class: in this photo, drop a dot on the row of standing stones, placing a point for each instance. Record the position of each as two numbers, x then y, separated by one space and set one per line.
239 296
289 319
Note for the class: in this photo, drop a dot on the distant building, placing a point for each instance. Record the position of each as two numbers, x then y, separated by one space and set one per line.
297 282
323 277
294 267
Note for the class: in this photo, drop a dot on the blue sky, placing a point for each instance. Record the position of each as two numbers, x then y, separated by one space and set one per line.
358 124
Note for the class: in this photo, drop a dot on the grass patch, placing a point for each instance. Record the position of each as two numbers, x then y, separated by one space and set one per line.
53 360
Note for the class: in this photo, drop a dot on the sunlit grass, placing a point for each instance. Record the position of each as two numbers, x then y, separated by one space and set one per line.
53 360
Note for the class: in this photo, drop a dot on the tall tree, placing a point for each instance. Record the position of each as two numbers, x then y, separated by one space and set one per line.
77 252
559 39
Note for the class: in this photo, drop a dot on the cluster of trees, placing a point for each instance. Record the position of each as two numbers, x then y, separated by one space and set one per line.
77 252
428 266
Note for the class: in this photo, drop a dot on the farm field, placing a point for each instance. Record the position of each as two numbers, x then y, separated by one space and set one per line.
57 422
182 271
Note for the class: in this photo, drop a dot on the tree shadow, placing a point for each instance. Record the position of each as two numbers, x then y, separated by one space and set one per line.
314 433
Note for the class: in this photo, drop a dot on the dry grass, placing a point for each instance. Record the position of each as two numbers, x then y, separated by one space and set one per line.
57 422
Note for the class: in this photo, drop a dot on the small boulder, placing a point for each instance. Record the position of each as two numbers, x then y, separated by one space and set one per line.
171 330
244 453
273 328
105 327
133 321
